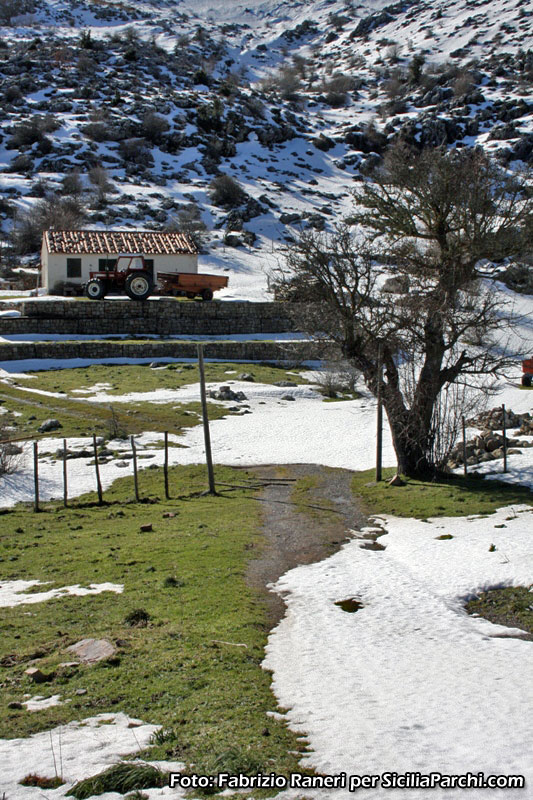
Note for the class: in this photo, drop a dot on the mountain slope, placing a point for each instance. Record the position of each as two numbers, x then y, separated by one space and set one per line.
128 113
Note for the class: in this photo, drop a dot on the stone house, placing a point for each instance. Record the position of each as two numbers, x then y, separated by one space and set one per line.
67 257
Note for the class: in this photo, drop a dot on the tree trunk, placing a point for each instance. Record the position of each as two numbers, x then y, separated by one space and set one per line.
411 438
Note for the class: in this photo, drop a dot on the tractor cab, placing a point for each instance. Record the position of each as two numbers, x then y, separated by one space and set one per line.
129 274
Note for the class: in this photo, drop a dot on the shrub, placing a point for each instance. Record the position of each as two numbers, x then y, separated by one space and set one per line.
209 116
10 453
72 184
96 131
226 192
135 151
12 8
121 778
189 220
154 126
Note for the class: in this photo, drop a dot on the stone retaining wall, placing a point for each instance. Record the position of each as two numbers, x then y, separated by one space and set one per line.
294 352
165 316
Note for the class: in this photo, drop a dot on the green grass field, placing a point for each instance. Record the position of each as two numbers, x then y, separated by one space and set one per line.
453 496
80 417
192 662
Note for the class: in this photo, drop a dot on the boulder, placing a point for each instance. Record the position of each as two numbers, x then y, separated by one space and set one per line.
90 651
398 284
49 425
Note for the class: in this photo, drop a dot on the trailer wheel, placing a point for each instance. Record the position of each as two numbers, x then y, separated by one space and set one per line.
95 289
139 285
190 295
207 294
526 379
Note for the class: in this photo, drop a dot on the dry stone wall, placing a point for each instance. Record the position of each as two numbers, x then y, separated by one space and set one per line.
291 352
163 317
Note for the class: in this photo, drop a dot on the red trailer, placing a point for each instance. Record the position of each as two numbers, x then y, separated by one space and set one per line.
131 276
527 369
191 284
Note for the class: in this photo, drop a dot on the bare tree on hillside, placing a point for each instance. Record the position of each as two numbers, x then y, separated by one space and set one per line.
437 214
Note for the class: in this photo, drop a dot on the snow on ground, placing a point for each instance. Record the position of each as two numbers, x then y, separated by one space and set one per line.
14 593
409 682
76 751
40 703
278 431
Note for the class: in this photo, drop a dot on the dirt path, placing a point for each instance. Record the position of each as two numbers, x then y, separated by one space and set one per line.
305 520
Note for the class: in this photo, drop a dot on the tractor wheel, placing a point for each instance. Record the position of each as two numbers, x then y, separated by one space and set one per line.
139 285
207 294
95 289
526 379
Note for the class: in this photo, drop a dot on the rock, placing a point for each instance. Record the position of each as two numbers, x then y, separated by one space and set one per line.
121 464
246 376
288 218
80 692
288 397
15 705
89 651
49 425
37 676
287 384
225 393
519 278
396 481
398 284
147 528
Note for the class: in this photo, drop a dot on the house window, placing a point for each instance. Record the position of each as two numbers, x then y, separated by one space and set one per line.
73 267
107 264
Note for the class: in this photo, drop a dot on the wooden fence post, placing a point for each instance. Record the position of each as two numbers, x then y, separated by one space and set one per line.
165 467
465 466
379 432
36 475
65 490
207 437
504 431
97 470
135 480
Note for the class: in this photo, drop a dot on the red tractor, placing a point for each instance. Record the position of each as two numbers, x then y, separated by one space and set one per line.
527 369
129 275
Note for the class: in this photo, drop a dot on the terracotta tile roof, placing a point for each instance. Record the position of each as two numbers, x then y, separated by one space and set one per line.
143 242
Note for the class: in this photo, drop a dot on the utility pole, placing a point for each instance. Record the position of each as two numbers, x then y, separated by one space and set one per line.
207 437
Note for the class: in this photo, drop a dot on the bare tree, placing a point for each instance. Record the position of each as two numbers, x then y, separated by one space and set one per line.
52 211
436 215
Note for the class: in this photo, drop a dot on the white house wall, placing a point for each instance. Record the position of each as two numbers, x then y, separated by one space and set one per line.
54 266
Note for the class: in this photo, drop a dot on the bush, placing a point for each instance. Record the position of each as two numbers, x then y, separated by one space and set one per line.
10 453
96 131
72 184
154 126
123 777
12 8
226 192
189 220
135 151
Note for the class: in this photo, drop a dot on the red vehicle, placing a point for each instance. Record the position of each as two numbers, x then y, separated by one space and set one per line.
527 369
131 275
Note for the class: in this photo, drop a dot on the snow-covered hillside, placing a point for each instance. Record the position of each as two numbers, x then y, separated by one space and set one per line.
123 115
